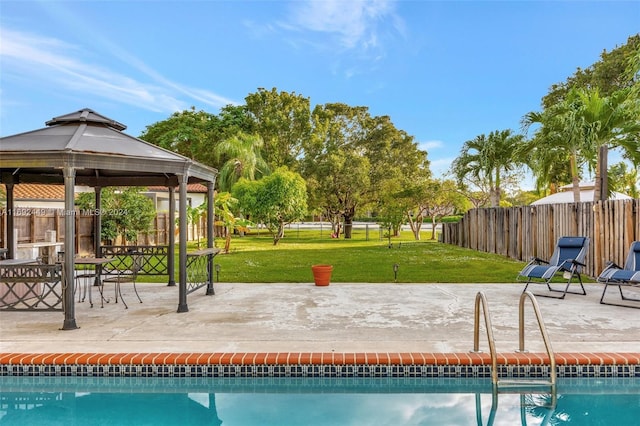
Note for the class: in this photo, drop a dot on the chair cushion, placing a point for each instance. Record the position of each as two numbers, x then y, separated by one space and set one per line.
539 271
571 242
624 275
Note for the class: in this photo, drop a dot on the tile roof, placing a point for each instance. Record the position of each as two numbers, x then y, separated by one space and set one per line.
33 191
191 187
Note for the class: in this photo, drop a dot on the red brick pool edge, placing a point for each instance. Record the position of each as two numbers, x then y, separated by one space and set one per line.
321 358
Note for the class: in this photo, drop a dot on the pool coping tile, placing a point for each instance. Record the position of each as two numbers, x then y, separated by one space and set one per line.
318 364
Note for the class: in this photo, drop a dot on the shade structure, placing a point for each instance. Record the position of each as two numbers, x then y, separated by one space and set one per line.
87 148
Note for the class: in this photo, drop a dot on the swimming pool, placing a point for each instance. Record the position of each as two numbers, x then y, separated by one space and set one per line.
310 401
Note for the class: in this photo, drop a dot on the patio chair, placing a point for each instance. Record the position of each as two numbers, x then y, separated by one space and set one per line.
120 276
84 278
567 258
628 275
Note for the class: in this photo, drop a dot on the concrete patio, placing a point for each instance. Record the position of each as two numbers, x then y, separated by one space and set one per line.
343 317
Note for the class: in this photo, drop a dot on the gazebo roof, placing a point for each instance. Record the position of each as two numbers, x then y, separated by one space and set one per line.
101 154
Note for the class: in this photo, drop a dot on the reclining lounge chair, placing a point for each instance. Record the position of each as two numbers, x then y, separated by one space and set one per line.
629 275
567 258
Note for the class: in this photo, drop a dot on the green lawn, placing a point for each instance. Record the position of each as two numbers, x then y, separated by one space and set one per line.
254 258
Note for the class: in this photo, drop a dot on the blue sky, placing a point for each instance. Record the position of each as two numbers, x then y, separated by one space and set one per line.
444 71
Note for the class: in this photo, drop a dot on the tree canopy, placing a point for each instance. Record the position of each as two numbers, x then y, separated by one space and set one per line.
354 162
489 159
125 212
275 200
282 120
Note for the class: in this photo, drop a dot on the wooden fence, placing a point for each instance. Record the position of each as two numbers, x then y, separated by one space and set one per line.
523 232
31 225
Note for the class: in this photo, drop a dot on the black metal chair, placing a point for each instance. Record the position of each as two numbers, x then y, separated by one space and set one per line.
84 277
120 275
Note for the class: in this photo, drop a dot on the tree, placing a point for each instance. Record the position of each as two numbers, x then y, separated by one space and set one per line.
609 74
600 107
403 199
557 142
522 198
606 122
335 167
391 215
432 198
189 133
193 219
547 156
234 119
283 122
225 206
443 198
353 161
196 134
489 159
582 128
624 179
125 212
244 159
275 200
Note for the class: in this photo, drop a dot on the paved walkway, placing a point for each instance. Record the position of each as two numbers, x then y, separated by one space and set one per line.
342 317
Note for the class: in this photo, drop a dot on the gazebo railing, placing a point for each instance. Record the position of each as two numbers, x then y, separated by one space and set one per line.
153 258
199 272
31 287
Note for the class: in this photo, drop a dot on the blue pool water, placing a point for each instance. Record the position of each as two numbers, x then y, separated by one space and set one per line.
83 401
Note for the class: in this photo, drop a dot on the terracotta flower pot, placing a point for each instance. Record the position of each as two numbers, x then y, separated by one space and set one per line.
322 274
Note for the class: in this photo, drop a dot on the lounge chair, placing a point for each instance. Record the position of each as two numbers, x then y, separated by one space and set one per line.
567 258
629 275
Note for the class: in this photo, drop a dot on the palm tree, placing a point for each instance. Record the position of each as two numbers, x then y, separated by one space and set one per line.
244 159
489 159
608 122
584 126
556 142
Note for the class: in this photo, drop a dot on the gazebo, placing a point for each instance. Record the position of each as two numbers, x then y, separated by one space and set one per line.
87 148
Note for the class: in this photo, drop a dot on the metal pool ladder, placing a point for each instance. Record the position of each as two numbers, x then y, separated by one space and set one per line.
482 300
520 386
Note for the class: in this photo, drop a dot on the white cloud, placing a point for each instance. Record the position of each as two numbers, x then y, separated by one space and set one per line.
60 65
354 23
431 145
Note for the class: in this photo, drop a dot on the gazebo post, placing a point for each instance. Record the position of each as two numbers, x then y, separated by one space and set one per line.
182 251
97 229
69 249
11 231
171 262
210 237
97 224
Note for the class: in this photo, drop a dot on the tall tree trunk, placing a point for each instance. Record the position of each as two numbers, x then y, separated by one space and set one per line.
495 197
434 219
348 221
279 233
497 192
601 190
415 224
348 226
227 239
575 179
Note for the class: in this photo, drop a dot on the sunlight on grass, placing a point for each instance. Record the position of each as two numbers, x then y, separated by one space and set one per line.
254 258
